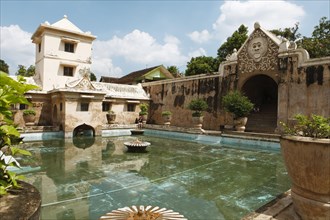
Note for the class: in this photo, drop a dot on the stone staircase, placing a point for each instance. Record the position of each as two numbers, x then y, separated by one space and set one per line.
263 121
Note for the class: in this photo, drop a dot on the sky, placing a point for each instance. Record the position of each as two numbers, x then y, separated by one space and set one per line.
133 35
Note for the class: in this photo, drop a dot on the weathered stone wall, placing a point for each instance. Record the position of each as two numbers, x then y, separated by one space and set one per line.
41 104
175 96
304 89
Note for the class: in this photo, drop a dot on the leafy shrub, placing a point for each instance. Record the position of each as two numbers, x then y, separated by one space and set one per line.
166 113
29 112
237 104
144 109
11 92
197 106
111 112
315 126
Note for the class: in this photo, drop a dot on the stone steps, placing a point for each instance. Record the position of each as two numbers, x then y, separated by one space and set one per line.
263 121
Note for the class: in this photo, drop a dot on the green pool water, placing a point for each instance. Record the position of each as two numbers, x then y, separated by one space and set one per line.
85 179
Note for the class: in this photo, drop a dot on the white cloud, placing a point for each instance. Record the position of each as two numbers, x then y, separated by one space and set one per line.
104 67
16 47
200 37
197 53
270 15
137 47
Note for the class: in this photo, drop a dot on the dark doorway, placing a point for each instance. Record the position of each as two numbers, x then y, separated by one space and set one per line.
84 130
262 91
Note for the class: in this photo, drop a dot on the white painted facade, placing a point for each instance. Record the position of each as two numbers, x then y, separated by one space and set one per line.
52 57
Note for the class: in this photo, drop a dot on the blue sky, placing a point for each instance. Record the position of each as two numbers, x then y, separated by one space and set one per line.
132 35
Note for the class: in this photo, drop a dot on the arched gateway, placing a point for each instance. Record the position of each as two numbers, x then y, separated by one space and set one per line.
262 90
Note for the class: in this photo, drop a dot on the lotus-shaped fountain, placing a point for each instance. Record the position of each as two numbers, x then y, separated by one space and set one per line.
136 146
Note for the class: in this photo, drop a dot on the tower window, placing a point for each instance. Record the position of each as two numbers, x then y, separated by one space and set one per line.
39 47
84 106
67 71
69 47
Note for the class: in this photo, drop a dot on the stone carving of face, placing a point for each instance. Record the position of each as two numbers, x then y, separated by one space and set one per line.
257 48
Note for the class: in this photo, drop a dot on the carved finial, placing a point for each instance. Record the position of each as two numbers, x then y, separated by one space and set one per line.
85 72
256 25
65 16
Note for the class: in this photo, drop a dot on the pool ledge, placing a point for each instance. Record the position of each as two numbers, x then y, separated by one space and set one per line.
281 208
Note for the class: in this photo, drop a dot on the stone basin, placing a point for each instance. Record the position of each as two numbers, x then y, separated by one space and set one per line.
136 146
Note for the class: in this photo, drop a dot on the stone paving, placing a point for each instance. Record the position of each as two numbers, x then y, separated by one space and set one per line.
280 208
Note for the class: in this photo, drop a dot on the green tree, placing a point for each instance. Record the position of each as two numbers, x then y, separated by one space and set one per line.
235 41
22 71
92 77
291 34
174 70
200 65
4 66
31 70
319 44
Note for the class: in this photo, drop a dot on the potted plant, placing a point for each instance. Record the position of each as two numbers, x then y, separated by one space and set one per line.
111 117
305 146
167 117
197 106
144 112
240 106
15 194
29 116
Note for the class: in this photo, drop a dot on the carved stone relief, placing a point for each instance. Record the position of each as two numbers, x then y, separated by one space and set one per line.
259 54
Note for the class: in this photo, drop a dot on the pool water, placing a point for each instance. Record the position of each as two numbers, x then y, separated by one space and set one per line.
85 179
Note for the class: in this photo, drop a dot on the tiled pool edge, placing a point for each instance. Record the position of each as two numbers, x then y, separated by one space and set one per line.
240 140
237 140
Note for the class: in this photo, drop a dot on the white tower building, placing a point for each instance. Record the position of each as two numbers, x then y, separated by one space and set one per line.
62 49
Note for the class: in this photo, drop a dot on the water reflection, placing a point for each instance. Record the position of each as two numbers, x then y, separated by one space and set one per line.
83 142
199 181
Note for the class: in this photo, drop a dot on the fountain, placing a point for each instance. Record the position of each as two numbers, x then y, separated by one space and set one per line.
143 212
136 146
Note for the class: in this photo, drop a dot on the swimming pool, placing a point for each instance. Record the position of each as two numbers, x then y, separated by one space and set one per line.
86 179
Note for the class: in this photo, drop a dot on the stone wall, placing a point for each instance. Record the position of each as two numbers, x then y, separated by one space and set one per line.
175 96
303 87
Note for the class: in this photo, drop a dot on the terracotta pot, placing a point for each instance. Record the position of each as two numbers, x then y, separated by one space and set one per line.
198 121
111 118
29 119
22 203
144 119
240 123
167 119
308 164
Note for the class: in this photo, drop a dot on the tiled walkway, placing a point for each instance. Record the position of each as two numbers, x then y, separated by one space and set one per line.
279 209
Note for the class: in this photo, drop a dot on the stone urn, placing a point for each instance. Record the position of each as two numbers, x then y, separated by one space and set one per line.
240 123
144 118
308 164
29 119
167 119
22 203
198 122
111 118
